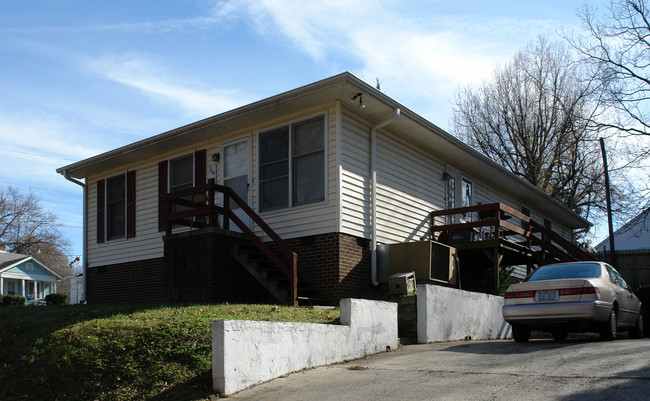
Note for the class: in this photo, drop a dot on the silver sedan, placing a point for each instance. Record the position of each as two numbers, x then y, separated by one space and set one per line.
573 297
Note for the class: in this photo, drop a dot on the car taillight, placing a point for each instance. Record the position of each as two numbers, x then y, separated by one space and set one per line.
519 294
579 291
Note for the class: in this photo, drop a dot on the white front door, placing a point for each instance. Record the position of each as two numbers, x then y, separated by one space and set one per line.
236 172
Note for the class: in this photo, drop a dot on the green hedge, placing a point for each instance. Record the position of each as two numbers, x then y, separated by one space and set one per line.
56 299
8 300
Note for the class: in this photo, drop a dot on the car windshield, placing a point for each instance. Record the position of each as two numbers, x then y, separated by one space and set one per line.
573 270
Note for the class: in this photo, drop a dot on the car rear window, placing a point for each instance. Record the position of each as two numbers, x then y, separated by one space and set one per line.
574 270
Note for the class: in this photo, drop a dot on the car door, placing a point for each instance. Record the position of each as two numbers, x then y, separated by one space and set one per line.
628 304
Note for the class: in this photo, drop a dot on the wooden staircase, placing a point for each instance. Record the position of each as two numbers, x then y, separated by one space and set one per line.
254 261
279 277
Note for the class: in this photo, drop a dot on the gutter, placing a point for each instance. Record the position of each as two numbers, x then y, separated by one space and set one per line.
373 196
84 257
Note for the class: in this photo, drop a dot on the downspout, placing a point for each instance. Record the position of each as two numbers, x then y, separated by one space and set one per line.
373 195
84 256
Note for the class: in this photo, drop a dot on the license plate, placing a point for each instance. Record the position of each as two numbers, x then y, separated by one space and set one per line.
546 296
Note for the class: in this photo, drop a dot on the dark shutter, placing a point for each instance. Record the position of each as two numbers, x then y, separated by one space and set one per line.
101 216
162 190
199 167
130 204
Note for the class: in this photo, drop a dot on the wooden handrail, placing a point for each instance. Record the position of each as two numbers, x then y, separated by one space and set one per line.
208 207
550 241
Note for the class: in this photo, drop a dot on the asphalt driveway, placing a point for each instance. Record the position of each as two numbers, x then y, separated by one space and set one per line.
477 370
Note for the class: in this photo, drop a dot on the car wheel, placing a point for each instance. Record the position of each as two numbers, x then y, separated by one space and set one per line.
560 334
608 328
520 333
637 330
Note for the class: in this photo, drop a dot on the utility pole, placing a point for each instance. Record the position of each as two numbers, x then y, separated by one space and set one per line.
612 249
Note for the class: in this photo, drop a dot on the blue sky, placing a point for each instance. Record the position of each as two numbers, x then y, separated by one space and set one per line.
78 78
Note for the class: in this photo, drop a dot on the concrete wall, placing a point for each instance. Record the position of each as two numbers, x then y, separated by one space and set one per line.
245 353
448 314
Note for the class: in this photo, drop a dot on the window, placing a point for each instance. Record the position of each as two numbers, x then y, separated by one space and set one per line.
451 197
465 199
526 212
11 288
116 207
292 165
29 266
181 173
177 174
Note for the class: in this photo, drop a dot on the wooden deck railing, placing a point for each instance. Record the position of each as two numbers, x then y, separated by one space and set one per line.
490 221
200 209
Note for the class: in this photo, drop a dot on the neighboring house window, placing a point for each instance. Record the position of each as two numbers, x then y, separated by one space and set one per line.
29 267
292 165
11 288
116 207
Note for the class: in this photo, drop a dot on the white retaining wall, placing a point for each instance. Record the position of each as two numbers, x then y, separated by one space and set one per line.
245 352
449 314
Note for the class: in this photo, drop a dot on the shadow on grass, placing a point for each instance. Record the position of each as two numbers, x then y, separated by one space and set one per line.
198 388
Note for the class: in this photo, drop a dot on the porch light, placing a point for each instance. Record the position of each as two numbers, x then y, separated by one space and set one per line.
358 95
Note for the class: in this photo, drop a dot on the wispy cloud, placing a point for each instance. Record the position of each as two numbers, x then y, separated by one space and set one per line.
139 72
148 27
424 55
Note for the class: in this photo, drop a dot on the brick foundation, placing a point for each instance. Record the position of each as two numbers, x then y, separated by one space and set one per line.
198 267
333 266
139 281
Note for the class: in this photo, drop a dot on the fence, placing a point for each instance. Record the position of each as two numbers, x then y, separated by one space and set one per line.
634 265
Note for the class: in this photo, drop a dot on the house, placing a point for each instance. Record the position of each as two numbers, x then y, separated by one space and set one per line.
632 245
23 275
290 196
633 235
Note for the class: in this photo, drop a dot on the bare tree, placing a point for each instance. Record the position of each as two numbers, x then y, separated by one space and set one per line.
615 45
534 117
27 228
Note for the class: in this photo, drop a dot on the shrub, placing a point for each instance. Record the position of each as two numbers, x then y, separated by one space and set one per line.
56 299
8 300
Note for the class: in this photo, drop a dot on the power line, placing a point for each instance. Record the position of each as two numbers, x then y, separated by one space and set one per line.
39 188
11 152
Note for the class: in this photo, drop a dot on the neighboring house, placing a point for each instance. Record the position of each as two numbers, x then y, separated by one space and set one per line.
633 235
23 275
632 245
307 175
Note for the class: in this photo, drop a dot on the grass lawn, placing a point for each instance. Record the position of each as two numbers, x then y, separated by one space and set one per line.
120 352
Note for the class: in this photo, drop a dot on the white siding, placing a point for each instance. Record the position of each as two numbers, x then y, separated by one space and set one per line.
355 179
147 243
317 218
409 187
295 222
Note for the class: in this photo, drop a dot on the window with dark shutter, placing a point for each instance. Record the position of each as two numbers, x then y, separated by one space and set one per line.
115 207
176 174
